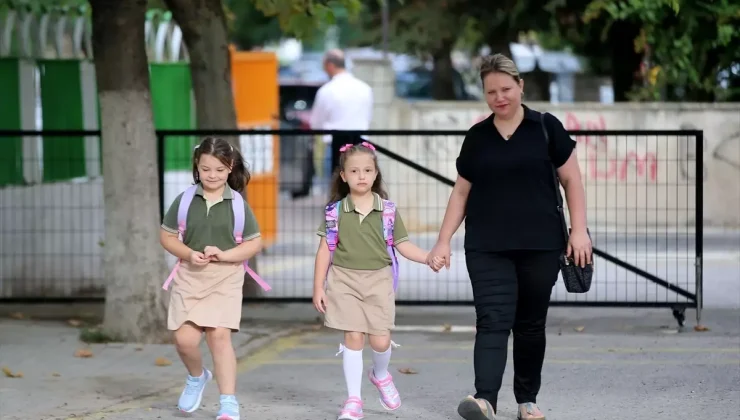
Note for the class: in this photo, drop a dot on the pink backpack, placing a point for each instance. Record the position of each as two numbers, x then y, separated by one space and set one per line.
237 204
389 220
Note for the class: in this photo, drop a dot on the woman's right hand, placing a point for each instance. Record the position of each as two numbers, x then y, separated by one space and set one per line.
198 258
442 250
319 300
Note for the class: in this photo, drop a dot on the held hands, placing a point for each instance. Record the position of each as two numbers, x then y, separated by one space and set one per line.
435 263
198 258
579 248
439 256
213 253
210 253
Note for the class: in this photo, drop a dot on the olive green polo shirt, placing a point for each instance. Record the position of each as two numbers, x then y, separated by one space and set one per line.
211 223
361 245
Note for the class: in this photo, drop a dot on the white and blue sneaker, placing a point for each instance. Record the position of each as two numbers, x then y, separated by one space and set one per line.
229 408
193 393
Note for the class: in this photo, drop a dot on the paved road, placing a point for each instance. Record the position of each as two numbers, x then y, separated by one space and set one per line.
617 367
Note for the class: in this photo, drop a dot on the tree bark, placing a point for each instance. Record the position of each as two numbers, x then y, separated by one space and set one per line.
443 73
625 61
134 265
203 26
204 30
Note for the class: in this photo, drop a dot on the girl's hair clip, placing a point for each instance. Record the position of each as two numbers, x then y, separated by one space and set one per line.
196 147
349 146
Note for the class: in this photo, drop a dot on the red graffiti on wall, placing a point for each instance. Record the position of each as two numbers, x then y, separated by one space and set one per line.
603 165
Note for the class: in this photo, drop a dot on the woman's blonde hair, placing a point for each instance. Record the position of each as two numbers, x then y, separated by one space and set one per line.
498 63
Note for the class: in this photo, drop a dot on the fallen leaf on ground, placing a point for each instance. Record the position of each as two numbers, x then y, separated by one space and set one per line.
10 374
56 375
701 328
162 361
579 329
407 371
17 315
74 322
446 327
83 353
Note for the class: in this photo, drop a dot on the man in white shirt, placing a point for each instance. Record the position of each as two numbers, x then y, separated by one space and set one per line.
343 103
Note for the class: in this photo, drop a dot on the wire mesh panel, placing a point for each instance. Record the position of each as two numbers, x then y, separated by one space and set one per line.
641 196
51 232
641 190
643 193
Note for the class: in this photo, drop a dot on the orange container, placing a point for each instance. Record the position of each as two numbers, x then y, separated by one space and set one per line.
255 83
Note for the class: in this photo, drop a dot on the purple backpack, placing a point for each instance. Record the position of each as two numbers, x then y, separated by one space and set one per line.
237 205
389 220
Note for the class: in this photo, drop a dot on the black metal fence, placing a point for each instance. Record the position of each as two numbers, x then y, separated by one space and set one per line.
644 201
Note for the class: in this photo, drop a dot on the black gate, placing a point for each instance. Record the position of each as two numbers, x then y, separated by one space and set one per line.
644 192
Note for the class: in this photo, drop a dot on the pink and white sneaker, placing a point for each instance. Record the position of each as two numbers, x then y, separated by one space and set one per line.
389 396
351 410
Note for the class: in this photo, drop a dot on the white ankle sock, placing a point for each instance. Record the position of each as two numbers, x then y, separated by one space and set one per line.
381 362
352 362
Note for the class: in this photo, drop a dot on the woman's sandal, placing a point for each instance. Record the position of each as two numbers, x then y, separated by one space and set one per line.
530 410
469 409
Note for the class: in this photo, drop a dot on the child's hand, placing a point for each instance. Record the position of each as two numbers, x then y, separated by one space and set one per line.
212 253
319 300
198 258
437 263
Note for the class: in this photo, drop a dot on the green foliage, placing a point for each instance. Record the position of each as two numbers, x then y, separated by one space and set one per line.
248 26
414 26
687 42
303 18
96 335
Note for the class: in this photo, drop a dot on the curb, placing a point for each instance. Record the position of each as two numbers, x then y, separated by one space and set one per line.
252 346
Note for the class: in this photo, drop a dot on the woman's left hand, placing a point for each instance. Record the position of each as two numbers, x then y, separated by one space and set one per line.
579 247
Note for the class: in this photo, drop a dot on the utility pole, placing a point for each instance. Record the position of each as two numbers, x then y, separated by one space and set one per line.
384 6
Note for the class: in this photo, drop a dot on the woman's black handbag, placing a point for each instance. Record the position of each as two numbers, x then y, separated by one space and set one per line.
576 279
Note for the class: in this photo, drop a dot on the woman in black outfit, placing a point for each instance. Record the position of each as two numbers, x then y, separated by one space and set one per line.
513 234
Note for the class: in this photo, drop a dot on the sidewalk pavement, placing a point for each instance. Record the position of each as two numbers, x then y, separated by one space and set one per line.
601 364
61 377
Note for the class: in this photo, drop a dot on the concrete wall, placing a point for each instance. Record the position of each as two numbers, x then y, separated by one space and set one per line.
633 183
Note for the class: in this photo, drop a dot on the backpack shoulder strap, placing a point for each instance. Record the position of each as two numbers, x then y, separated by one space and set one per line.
389 221
182 210
237 205
331 216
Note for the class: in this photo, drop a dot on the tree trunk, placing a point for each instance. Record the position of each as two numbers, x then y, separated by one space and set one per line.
625 61
443 73
133 259
499 45
204 31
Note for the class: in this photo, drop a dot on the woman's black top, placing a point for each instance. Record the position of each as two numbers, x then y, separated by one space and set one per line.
512 203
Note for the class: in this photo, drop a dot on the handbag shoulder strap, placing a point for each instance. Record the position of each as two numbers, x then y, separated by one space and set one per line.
555 181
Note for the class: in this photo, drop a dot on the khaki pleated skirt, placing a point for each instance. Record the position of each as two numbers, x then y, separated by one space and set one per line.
360 300
207 296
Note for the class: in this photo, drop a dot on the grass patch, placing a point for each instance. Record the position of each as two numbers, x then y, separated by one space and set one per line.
96 335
